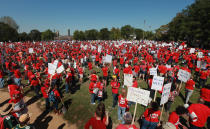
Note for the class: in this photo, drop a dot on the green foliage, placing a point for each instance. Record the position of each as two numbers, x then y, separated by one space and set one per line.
79 35
139 34
104 34
35 35
7 33
47 35
23 37
115 34
192 25
10 21
91 34
127 31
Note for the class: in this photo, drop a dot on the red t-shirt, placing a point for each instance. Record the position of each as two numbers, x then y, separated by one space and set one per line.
17 73
93 77
44 91
198 114
105 71
117 71
135 84
190 84
174 119
115 87
12 88
122 102
203 75
1 74
151 115
92 86
35 82
205 94
136 68
95 124
122 126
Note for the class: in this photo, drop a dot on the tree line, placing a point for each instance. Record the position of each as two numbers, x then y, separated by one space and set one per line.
192 24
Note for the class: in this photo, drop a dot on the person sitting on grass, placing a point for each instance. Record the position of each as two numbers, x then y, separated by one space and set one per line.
24 122
127 118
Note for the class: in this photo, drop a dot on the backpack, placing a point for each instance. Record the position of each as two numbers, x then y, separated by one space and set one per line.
2 122
52 96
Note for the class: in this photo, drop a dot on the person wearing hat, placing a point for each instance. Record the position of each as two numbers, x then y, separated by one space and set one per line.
24 122
127 117
7 120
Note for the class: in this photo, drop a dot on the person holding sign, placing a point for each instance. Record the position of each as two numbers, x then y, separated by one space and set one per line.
127 117
189 87
151 117
122 105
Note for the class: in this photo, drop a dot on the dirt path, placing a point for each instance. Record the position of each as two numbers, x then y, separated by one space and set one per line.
41 119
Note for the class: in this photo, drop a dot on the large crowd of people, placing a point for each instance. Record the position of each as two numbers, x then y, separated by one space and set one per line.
46 66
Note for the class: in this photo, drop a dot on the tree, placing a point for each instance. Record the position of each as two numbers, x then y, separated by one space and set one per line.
162 33
23 37
139 34
35 35
47 35
10 21
76 35
7 33
127 31
115 34
104 34
91 34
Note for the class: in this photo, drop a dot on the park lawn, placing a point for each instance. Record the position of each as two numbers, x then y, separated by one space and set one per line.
80 110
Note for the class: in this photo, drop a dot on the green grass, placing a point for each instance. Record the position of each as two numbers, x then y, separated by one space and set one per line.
80 109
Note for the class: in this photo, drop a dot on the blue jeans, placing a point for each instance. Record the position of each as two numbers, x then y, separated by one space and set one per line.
17 81
67 87
114 100
55 104
47 103
121 112
148 125
1 82
93 98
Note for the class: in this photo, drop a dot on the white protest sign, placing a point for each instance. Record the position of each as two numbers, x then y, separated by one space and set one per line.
108 59
157 83
180 47
138 95
200 54
199 64
166 93
75 65
192 50
128 79
183 75
168 66
55 63
60 69
153 71
51 68
31 50
99 48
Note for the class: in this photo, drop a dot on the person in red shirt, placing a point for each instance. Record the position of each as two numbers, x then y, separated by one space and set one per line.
54 96
151 117
68 80
17 75
122 105
1 79
45 89
203 78
35 84
189 87
105 74
174 116
117 72
128 122
115 88
205 95
100 86
100 119
198 114
93 76
93 90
